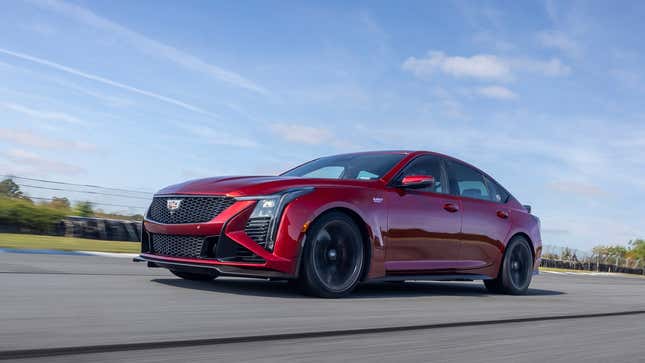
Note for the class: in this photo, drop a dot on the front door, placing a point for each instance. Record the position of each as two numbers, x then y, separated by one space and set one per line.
423 224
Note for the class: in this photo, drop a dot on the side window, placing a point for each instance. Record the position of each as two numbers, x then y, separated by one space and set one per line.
426 165
498 193
467 182
366 175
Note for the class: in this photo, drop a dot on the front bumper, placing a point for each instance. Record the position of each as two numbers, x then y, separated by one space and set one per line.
223 237
224 269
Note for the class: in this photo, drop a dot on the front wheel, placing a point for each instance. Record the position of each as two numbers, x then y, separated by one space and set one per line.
333 258
517 269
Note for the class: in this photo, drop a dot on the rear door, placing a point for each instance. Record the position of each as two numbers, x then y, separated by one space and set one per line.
423 224
485 217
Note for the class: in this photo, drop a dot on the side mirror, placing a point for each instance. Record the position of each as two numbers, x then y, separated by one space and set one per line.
417 181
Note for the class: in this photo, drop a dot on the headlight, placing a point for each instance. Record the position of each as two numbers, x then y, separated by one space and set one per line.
270 207
266 207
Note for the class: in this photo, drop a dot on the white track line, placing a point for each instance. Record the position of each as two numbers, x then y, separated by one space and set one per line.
111 254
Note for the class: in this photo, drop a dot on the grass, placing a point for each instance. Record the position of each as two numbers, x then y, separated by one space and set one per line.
37 242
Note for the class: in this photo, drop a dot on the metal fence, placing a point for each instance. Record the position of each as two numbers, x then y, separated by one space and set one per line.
633 267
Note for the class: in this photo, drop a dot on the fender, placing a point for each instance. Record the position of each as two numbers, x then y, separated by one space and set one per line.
300 213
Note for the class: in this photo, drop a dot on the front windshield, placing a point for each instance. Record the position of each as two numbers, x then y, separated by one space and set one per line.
352 166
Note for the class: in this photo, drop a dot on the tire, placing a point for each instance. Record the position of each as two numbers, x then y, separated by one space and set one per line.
194 276
333 259
516 271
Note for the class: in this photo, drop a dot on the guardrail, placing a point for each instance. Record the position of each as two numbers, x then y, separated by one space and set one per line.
99 228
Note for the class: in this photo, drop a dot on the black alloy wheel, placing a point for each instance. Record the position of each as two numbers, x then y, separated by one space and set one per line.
517 269
333 258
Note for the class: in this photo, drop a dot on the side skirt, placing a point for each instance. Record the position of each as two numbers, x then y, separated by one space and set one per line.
447 277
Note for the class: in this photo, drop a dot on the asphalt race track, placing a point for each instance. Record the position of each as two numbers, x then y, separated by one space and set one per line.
99 309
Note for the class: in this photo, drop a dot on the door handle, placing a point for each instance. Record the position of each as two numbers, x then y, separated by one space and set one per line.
451 207
502 214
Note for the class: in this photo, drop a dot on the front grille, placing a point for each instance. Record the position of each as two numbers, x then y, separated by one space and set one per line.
178 246
190 210
258 229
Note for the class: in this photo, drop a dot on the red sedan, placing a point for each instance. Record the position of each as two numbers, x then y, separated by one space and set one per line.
336 221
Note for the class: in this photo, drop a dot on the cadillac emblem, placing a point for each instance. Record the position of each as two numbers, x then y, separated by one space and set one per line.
173 205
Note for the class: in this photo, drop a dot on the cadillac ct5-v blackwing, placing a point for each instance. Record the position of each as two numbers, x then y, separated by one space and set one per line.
336 221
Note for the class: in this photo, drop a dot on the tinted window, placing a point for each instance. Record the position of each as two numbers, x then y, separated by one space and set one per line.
498 193
350 166
466 181
425 165
328 172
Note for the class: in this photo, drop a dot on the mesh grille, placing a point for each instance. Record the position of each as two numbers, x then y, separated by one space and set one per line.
257 229
245 255
190 210
179 246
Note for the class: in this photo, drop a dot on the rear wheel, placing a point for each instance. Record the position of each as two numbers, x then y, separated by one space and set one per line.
333 258
516 271
194 276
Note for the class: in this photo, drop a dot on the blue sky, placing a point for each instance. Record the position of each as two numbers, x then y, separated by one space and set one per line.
545 96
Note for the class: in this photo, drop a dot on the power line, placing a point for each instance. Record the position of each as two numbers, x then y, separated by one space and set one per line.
79 185
104 204
83 191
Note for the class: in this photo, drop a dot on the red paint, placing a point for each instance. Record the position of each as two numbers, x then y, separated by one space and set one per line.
407 229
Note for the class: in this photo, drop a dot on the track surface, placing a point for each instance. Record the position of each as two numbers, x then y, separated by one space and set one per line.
76 301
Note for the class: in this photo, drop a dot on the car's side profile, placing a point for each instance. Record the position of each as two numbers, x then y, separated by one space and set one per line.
333 222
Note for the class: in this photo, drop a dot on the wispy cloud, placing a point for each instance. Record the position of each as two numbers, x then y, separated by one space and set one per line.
552 67
559 40
497 92
32 139
575 187
478 66
481 66
216 137
106 81
109 100
302 134
42 114
148 45
29 163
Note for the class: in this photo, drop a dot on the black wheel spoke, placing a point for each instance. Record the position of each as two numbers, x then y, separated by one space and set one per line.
337 255
519 265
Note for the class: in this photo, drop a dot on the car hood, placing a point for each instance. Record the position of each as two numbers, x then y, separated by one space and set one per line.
237 186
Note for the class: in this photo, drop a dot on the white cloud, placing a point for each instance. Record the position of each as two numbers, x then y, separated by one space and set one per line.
149 45
29 163
302 134
29 138
489 39
559 40
481 66
478 66
41 114
552 67
106 81
497 92
106 99
216 137
574 187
